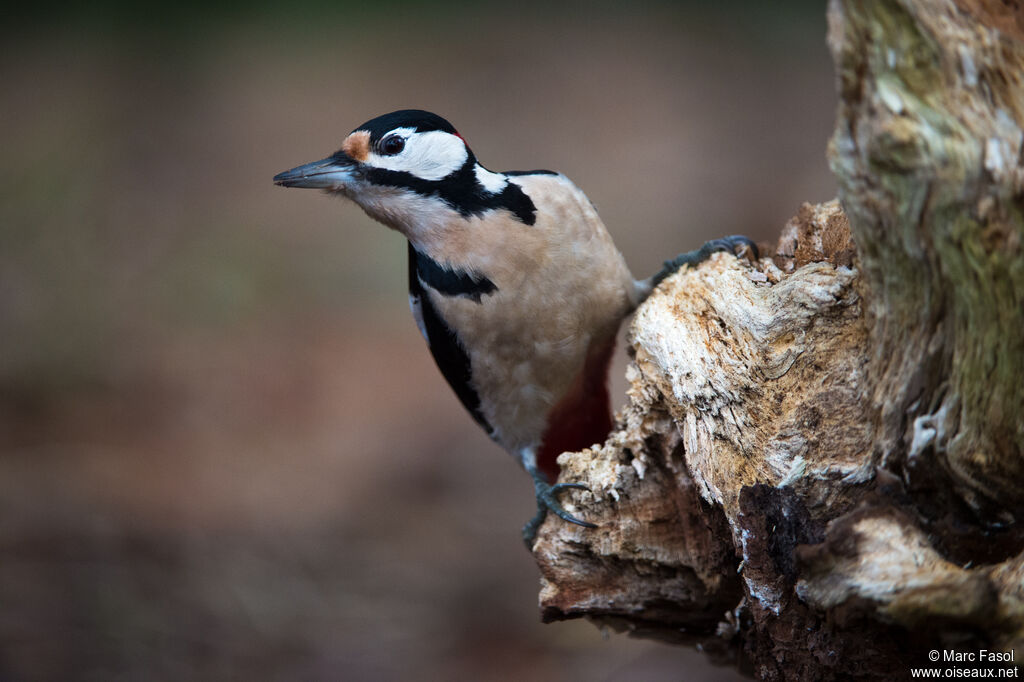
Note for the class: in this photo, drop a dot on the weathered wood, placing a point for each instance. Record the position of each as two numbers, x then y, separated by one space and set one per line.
820 471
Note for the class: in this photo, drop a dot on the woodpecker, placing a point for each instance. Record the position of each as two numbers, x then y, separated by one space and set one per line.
514 282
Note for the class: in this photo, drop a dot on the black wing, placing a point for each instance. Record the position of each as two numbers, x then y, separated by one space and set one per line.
444 344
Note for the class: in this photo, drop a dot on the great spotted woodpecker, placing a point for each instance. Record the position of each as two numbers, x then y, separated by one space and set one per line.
513 280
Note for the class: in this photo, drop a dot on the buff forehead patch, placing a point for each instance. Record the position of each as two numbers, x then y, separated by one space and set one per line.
357 145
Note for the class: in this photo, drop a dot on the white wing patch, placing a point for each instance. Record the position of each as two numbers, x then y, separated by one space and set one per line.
431 155
490 181
417 314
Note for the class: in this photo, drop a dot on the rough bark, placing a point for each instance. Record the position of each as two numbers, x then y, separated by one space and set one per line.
820 470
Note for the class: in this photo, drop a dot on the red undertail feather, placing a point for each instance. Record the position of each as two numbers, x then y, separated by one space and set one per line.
583 417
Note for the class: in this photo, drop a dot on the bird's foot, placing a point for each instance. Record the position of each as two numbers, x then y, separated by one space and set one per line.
697 256
547 500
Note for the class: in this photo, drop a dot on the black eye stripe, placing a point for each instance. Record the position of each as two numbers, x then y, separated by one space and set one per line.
461 191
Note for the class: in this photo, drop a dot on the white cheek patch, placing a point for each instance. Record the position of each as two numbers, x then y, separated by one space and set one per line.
430 156
491 182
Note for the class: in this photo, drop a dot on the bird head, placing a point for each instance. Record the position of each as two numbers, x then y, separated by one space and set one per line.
411 171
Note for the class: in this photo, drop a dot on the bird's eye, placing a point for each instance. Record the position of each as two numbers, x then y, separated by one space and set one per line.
391 145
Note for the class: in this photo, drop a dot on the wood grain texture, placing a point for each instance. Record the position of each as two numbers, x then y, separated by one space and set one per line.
818 474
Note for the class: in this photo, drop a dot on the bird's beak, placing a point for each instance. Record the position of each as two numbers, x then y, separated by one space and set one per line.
334 172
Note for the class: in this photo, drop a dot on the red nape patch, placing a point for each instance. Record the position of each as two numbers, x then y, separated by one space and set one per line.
583 417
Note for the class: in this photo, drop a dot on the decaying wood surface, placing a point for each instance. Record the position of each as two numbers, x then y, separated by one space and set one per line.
820 470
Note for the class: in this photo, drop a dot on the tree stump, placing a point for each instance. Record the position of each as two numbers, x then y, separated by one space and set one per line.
820 470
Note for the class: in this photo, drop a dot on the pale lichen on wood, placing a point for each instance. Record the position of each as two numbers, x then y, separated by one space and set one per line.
820 470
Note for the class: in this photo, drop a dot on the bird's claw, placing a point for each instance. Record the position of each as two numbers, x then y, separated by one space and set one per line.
547 501
559 487
550 502
730 243
698 256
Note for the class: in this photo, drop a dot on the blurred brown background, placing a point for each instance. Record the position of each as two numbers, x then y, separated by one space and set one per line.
224 450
